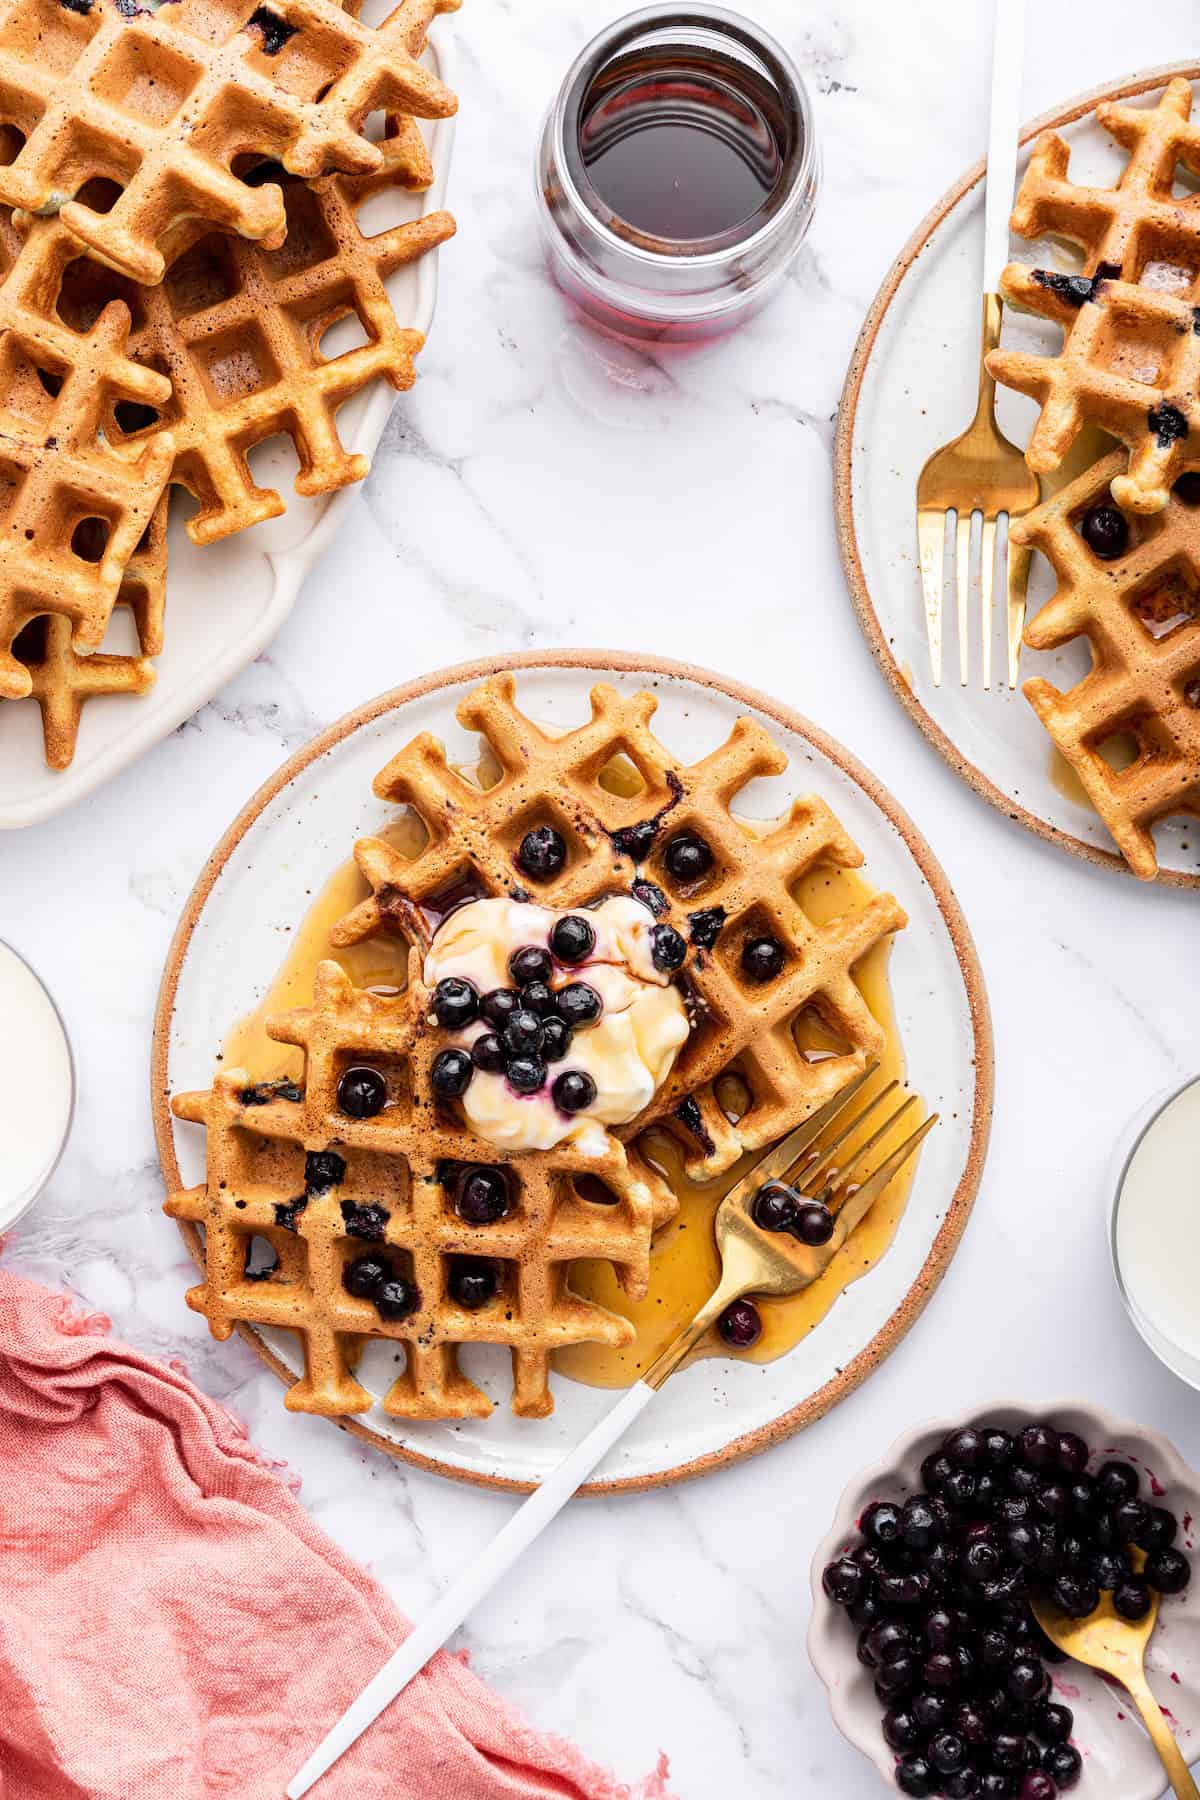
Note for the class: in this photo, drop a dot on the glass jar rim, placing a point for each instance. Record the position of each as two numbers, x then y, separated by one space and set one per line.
798 164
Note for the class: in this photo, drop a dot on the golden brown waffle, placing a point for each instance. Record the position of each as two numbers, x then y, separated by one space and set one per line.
262 1181
1141 615
63 681
169 103
237 330
73 507
1130 358
740 1027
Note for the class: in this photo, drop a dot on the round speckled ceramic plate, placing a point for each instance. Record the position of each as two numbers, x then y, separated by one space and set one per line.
911 386
304 823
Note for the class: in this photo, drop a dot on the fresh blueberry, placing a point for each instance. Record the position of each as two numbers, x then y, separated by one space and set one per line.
998 1448
396 1298
499 1006
556 1040
964 1448
920 1527
1105 531
362 1093
1159 1530
1168 1571
1063 1763
775 1208
542 853
455 1003
531 963
667 948
814 1224
537 997
901 1729
1076 1595
932 1710
1027 1680
947 1752
451 1073
573 1091
844 1581
578 1004
527 1074
1053 1723
365 1276
1116 1482
885 1643
880 1524
573 939
1072 1453
1039 1446
687 858
762 958
1110 1568
522 1036
915 1777
740 1325
482 1196
487 1053
473 1282
1132 1598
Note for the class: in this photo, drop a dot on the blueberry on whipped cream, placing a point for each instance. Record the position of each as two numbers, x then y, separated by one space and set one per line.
558 1024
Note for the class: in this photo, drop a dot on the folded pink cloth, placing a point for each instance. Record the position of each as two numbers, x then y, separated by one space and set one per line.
173 1626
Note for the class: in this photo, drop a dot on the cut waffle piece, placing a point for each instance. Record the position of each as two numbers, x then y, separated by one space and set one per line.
742 1027
1130 357
286 1164
73 507
237 330
1141 616
64 681
175 104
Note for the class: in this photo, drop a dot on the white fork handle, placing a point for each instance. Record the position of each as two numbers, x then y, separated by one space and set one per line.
473 1585
1008 58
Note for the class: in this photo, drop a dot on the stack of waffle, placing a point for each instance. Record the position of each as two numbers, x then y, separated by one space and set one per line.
180 192
1129 364
290 1164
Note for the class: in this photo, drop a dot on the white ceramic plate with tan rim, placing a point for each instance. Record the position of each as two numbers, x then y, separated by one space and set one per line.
225 602
1119 1762
304 822
911 387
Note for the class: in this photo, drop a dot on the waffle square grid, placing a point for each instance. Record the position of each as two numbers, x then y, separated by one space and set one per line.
260 1183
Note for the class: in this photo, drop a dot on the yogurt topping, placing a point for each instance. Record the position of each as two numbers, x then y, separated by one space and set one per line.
628 1053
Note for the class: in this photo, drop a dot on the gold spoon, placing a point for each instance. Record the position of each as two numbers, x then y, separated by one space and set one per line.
1117 1648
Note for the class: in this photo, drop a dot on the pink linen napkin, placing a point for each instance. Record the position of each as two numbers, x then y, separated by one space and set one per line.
173 1626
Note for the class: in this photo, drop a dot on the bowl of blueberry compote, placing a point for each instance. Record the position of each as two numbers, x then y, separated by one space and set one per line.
923 1631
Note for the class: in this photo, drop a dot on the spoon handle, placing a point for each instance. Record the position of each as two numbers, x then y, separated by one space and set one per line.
1161 1737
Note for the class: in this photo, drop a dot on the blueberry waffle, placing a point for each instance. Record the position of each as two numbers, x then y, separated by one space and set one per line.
73 507
175 105
1131 587
63 681
750 962
238 331
1130 356
350 1207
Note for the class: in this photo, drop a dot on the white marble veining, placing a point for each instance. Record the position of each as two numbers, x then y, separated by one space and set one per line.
543 488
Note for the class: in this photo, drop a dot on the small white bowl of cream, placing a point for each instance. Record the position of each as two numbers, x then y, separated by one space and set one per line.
37 1086
1155 1228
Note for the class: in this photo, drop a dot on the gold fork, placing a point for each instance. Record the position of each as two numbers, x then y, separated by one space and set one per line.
981 471
1116 1647
753 1261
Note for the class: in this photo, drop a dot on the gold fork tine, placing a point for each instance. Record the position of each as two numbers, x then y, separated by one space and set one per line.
829 1151
784 1155
931 536
859 1204
963 584
1019 558
987 564
843 1177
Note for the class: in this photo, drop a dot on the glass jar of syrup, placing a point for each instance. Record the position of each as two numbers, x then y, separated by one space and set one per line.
677 173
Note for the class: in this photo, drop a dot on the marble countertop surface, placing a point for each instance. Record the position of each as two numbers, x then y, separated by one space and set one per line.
543 488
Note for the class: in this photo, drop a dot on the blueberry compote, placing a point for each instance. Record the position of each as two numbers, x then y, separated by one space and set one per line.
938 1589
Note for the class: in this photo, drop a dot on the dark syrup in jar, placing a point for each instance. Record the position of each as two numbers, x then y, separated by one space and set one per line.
682 143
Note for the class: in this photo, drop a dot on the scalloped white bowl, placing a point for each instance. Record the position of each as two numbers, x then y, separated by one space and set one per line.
1118 1761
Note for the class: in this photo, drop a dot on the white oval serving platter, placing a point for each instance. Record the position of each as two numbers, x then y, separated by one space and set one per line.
226 601
304 823
911 386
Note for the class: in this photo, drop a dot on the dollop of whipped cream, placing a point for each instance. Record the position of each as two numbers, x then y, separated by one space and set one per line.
628 1052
